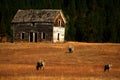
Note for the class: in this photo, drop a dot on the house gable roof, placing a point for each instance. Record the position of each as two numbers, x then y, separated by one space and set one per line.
44 15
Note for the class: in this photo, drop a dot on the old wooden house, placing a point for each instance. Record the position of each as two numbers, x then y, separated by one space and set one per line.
39 25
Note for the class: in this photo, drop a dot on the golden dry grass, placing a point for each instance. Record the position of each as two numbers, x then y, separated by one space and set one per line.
18 61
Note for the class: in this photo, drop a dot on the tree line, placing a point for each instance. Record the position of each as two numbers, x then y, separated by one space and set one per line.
87 20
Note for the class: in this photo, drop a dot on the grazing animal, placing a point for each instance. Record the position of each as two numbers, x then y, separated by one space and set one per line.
40 64
71 49
107 67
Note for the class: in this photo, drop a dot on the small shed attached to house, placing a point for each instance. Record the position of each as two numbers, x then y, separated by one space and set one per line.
39 25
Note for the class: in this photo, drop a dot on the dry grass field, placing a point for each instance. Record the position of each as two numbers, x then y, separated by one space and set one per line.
18 61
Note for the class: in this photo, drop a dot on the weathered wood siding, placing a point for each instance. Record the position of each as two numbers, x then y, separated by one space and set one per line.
38 28
59 17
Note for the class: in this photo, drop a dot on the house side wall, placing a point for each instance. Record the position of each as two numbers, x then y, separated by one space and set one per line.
58 34
37 28
59 30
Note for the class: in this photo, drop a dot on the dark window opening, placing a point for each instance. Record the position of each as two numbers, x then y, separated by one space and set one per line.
59 23
33 24
31 36
22 35
43 36
58 37
35 37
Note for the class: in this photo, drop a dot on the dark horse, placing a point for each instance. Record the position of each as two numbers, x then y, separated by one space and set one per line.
40 65
107 67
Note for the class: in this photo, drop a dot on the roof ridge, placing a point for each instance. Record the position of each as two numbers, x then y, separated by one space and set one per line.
35 15
41 9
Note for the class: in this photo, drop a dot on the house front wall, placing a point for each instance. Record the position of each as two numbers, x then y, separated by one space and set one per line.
32 32
58 34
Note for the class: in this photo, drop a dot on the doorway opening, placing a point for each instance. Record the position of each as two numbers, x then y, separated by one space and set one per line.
43 35
33 37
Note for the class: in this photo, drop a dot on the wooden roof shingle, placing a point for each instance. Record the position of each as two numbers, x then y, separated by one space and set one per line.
44 15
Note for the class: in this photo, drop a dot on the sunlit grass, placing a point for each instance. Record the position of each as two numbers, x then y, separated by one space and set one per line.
18 61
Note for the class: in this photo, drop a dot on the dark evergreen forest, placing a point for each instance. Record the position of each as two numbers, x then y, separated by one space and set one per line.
87 20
